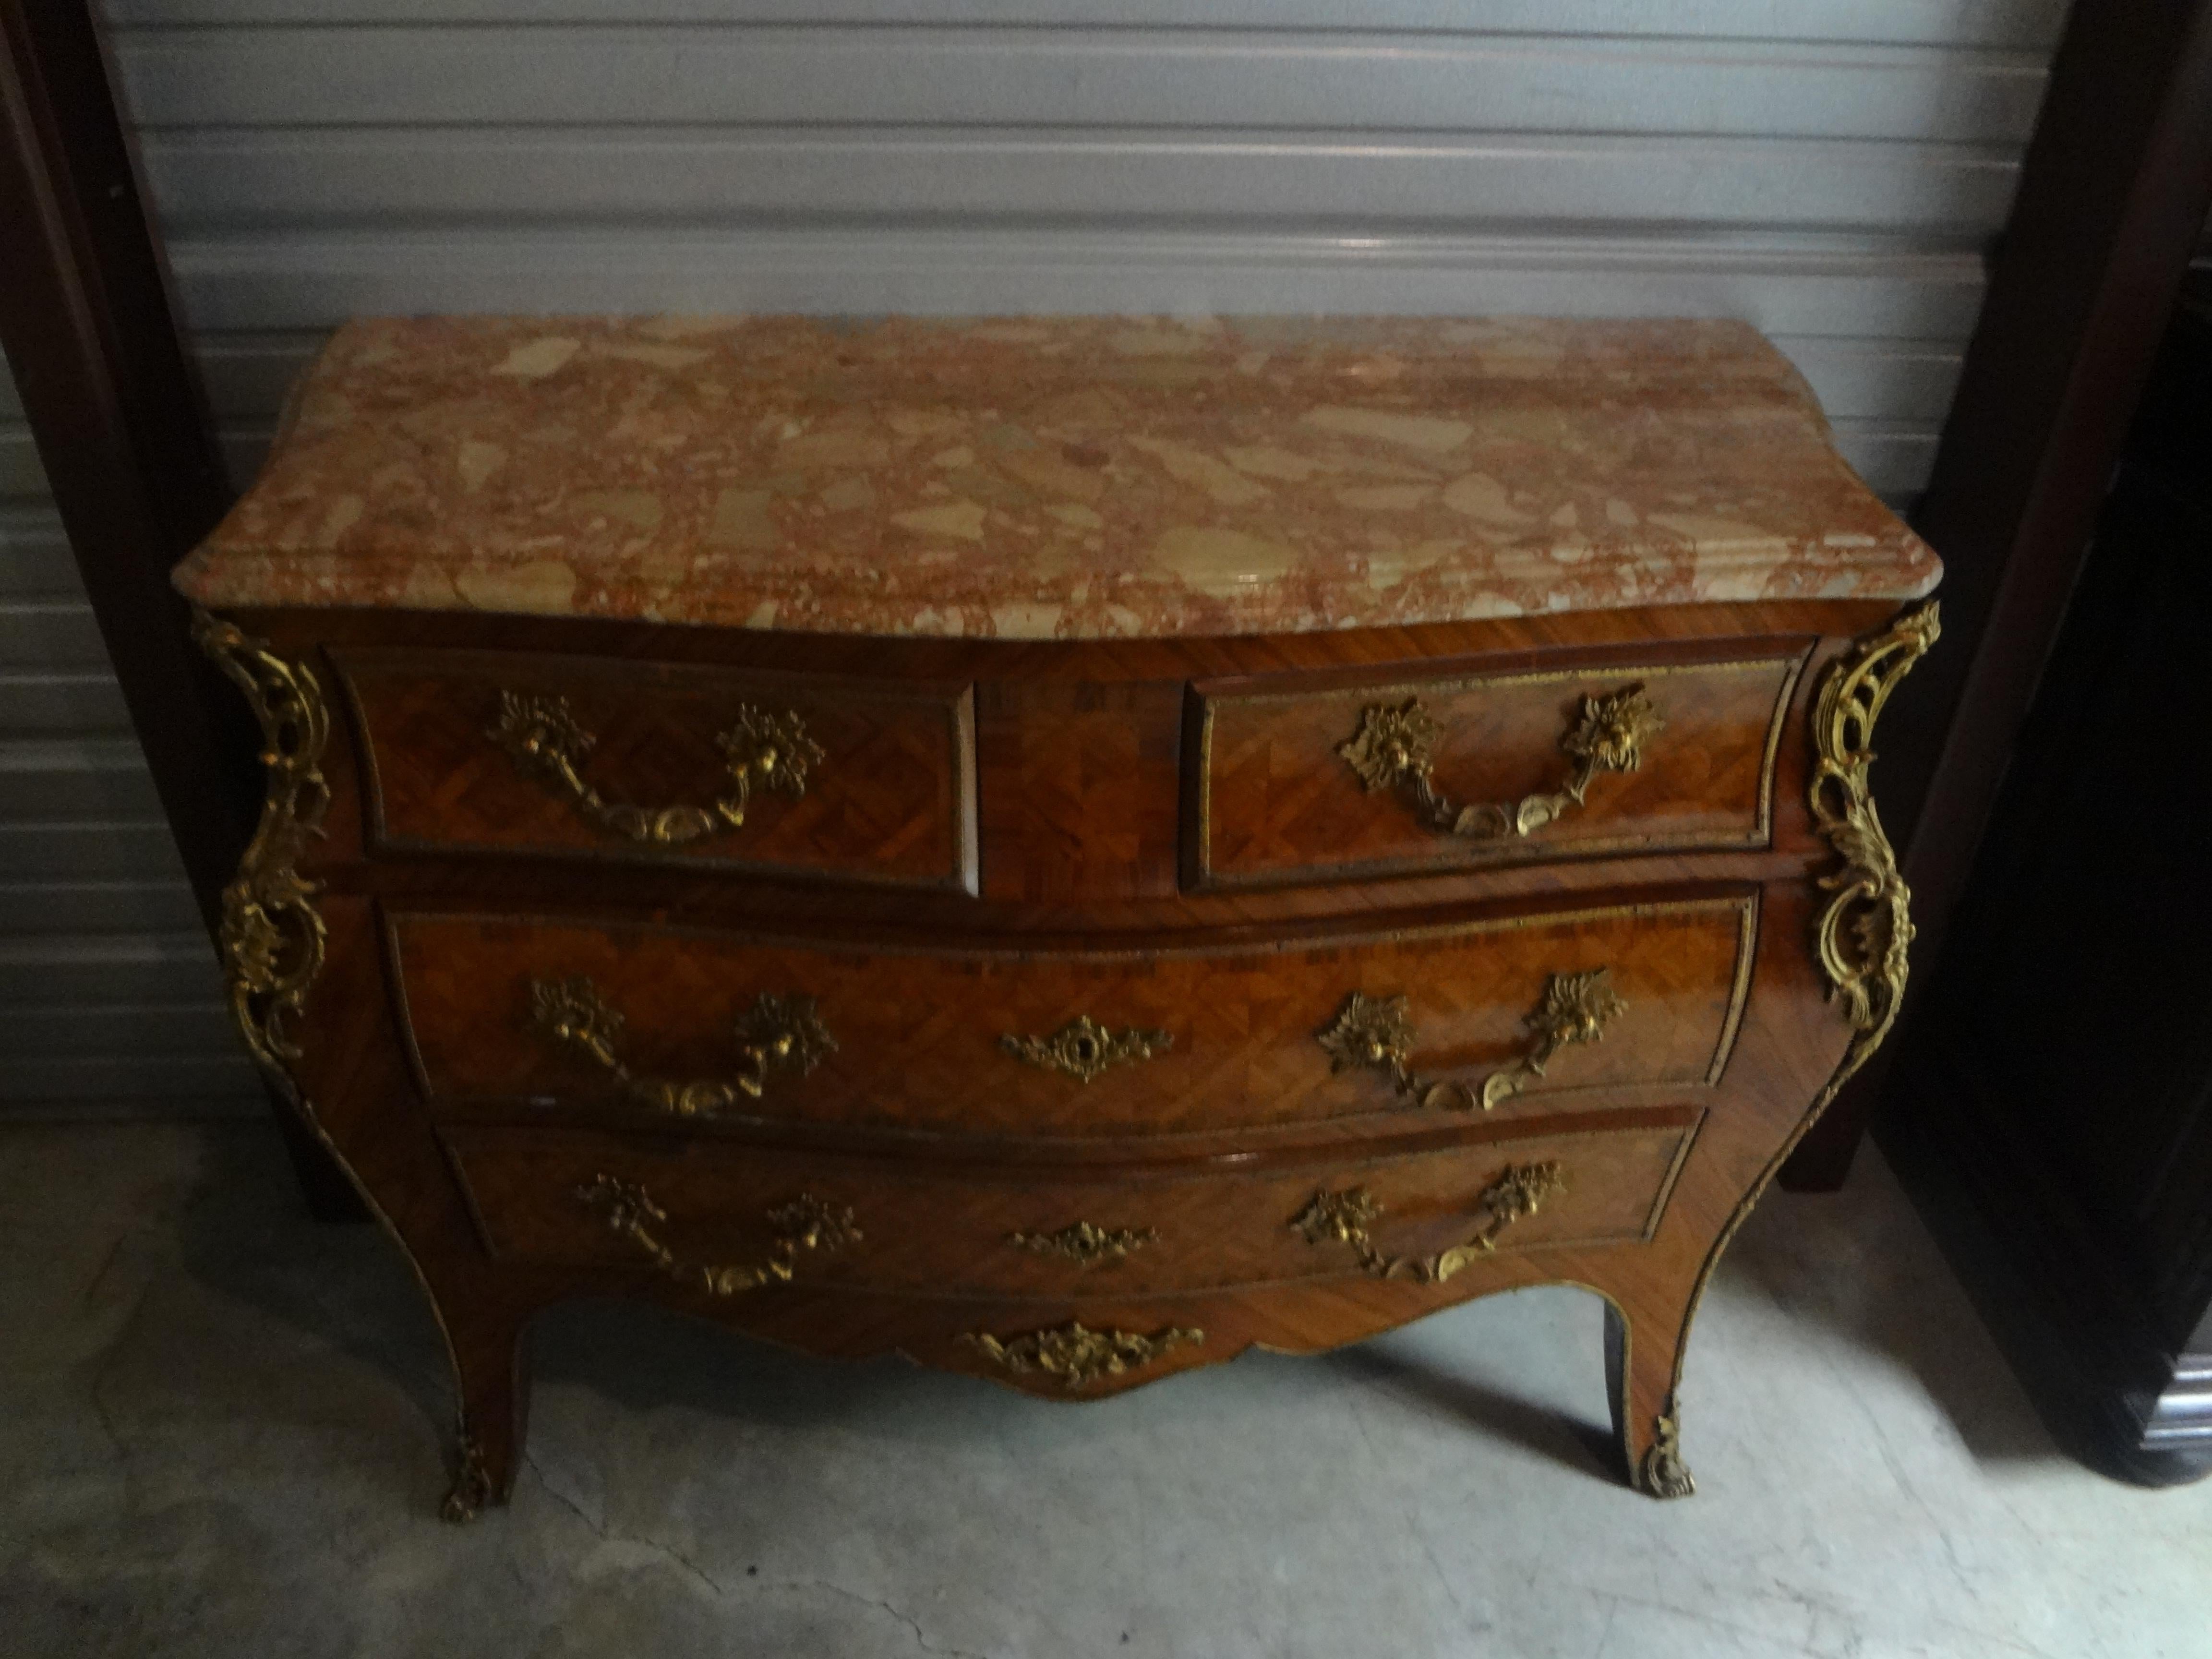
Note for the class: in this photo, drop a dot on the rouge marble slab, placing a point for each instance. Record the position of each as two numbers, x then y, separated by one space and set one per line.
1052 478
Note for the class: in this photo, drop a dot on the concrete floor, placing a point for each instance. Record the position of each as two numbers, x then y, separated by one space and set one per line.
220 1435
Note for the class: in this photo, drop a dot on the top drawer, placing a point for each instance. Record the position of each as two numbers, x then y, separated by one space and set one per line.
855 779
1294 782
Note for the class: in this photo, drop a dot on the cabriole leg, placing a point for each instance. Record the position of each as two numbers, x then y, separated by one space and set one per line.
491 1367
1639 1375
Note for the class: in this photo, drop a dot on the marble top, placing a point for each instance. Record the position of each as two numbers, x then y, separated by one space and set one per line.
1051 477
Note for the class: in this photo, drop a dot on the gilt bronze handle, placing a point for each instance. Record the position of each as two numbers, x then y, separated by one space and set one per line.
804 1223
765 751
1393 749
1377 1033
776 1034
1515 1194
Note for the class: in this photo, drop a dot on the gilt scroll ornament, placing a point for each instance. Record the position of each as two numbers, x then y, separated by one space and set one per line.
777 1033
1084 1049
804 1223
1662 1473
1376 1033
1864 934
1862 937
763 751
472 1487
1078 1356
1396 746
271 937
1085 1243
1515 1194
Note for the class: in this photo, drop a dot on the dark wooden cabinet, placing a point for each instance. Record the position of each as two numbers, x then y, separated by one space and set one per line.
2052 1102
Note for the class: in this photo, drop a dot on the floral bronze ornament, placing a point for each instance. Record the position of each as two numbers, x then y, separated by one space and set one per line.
1376 1033
1078 1356
763 751
1340 1218
573 1013
805 1224
1391 744
1575 1009
271 937
1085 1243
1395 747
777 1033
1515 1193
1865 933
1084 1049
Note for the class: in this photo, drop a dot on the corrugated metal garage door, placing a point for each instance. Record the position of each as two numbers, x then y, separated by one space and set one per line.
1829 169
108 987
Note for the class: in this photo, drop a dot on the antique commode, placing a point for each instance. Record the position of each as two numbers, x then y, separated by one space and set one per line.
1065 848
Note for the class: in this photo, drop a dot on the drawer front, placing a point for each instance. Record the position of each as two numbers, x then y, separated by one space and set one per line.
853 780
1474 1017
729 1219
1293 782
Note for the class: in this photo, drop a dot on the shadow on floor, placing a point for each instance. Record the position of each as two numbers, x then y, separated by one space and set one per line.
1584 1447
1860 1264
245 1232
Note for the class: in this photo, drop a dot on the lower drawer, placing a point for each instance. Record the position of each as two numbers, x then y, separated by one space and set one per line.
727 1217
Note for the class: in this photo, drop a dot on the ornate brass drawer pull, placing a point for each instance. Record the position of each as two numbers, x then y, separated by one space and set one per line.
1393 749
776 1034
1575 1009
804 1223
1377 1032
1083 1049
1085 1243
764 750
1516 1192
1078 1355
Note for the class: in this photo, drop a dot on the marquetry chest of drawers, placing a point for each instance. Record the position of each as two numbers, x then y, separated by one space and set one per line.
1063 849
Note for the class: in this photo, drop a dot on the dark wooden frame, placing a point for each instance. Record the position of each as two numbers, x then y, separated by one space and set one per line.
118 412
123 427
2050 1123
2113 202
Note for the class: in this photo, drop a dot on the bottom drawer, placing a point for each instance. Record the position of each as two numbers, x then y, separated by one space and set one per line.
724 1217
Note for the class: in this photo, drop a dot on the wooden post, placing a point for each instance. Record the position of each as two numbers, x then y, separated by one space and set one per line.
2113 202
123 429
